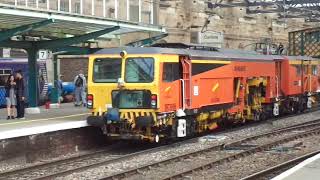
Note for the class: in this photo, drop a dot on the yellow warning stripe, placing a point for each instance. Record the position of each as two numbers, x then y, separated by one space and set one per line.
134 114
215 87
45 119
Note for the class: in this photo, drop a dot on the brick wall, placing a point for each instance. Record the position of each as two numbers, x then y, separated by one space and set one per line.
70 67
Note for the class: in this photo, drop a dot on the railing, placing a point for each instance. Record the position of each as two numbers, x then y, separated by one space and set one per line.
141 11
305 42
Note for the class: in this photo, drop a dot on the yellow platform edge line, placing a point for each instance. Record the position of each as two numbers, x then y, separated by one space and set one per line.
46 119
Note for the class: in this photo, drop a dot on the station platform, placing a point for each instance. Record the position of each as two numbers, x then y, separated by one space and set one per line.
67 116
306 170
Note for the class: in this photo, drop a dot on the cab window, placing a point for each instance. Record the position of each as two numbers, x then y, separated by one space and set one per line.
171 72
139 70
106 70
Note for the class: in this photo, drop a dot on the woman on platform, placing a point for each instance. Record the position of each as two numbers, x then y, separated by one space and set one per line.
11 96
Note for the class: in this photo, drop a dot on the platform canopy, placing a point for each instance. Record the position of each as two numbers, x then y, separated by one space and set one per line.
68 23
59 25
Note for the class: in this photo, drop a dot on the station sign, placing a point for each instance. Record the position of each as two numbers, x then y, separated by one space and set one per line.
6 52
207 38
43 54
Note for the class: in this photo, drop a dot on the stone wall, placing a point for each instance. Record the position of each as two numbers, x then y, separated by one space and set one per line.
181 17
240 29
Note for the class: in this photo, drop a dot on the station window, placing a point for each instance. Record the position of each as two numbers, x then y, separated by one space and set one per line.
4 74
77 8
171 72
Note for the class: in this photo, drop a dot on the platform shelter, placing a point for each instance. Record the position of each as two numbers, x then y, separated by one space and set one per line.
60 25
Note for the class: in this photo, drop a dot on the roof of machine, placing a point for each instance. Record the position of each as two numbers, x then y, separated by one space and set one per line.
200 52
194 51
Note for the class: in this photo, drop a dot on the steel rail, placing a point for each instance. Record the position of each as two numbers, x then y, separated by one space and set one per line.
212 148
93 165
244 153
281 166
55 162
29 169
126 157
108 161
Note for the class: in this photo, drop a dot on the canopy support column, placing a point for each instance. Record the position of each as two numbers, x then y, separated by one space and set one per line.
55 93
33 80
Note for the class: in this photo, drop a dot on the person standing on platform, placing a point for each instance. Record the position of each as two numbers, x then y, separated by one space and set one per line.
20 95
11 96
80 87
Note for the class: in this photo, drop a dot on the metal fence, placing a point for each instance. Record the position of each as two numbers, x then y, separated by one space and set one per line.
305 42
141 11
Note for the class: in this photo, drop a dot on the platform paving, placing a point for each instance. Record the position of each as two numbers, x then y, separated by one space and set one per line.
66 117
65 109
306 170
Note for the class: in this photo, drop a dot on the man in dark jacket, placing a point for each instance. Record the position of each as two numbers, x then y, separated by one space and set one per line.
20 95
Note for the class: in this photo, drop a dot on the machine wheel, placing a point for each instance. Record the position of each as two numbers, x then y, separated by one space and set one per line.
144 121
225 121
96 121
191 126
257 116
263 116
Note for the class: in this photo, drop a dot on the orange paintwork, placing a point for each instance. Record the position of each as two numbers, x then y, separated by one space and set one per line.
170 96
207 93
216 86
224 76
293 83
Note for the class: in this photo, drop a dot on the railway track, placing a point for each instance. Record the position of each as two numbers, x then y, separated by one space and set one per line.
61 166
71 165
68 166
274 170
220 151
